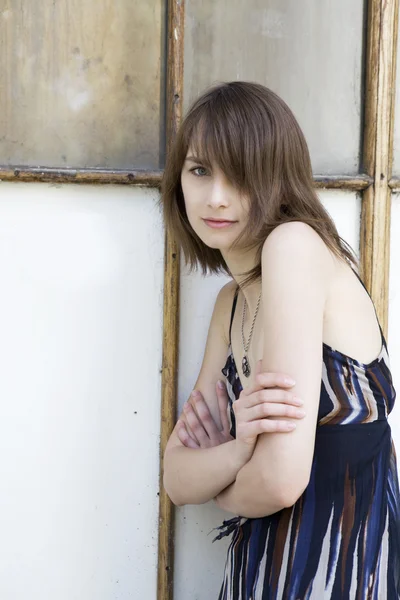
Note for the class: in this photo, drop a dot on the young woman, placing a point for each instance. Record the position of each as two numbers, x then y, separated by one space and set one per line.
307 466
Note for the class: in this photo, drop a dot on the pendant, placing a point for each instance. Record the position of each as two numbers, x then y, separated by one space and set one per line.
246 366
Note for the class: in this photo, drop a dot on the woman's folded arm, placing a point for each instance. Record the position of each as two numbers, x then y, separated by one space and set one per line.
194 476
297 269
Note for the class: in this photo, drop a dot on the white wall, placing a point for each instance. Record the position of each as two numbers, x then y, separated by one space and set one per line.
199 563
81 272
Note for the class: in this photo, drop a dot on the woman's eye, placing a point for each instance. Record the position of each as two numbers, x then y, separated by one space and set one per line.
199 169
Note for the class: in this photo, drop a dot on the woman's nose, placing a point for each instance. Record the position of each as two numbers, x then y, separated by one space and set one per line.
218 194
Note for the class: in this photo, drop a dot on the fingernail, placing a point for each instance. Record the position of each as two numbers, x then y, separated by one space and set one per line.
301 413
298 401
195 393
291 425
289 381
220 384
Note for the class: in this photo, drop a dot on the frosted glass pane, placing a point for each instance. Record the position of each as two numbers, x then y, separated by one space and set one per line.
309 52
199 564
81 83
81 321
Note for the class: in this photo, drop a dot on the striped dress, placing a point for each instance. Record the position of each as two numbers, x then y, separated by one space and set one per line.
341 539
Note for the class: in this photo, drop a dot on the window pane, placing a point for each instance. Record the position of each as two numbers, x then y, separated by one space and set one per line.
197 297
309 52
81 321
81 83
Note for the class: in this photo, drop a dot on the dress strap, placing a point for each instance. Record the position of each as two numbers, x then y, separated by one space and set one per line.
361 281
376 314
233 311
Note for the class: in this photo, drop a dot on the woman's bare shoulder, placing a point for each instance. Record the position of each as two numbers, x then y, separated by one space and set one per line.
295 236
295 248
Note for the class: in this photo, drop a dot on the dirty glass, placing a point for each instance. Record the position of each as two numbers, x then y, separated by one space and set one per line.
82 83
309 52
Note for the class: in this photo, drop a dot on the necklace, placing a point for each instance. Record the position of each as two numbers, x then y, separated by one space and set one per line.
245 361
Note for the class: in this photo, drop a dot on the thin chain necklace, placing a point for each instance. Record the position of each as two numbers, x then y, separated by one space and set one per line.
245 361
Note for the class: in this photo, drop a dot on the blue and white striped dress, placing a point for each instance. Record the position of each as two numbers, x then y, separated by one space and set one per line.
341 539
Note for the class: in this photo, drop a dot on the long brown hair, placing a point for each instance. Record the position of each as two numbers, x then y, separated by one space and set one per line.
254 138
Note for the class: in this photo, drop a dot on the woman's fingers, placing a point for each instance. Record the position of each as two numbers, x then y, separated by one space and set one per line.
269 380
223 402
251 429
200 424
195 423
272 410
201 421
264 379
268 406
184 421
206 418
184 436
273 396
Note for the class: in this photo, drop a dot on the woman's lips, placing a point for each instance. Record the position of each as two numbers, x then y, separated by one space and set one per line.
218 224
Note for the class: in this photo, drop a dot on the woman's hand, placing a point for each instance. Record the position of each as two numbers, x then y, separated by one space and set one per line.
198 429
260 409
266 407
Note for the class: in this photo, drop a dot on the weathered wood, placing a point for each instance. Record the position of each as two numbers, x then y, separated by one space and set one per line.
394 184
171 306
101 176
378 150
147 178
341 182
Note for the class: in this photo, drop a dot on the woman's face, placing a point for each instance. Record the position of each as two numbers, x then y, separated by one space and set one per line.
215 209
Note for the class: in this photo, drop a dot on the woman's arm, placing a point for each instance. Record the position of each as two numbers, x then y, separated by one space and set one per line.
201 459
259 409
195 476
245 498
297 269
